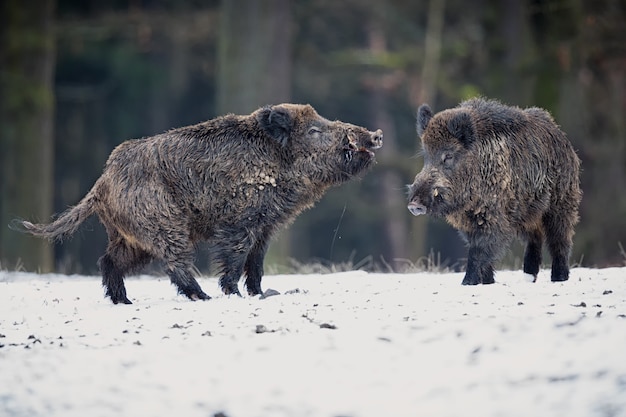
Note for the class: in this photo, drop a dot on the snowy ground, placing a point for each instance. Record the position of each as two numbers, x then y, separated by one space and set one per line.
348 344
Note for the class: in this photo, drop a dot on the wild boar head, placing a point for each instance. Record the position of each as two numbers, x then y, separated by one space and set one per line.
323 151
447 139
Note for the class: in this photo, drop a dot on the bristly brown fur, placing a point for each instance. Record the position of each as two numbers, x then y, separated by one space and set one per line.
233 181
495 172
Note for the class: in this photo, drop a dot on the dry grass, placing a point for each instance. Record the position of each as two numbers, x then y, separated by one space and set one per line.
430 263
18 267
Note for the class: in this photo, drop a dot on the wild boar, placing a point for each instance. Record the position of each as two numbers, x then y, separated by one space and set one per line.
496 172
232 181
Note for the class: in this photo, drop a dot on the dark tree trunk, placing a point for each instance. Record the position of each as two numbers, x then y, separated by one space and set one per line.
254 55
391 186
27 57
254 60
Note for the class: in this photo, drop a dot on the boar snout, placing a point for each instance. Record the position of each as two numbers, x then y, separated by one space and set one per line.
417 198
416 208
427 195
364 141
376 140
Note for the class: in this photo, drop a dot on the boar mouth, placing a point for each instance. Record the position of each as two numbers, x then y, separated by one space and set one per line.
426 199
352 147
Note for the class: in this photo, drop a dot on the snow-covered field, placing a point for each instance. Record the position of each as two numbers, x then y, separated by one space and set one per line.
346 344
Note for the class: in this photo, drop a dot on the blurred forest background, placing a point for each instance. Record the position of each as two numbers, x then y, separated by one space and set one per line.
78 77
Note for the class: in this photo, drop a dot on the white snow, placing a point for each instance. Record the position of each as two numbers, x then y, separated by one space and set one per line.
347 344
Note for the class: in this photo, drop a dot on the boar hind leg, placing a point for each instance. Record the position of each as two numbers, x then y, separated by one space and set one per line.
559 234
113 280
254 267
120 259
532 255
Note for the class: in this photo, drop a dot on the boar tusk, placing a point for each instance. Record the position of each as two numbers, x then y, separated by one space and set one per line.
436 192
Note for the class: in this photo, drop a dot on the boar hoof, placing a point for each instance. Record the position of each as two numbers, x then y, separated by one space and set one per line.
470 280
120 300
560 277
118 297
231 291
200 296
254 289
194 293
255 292
560 270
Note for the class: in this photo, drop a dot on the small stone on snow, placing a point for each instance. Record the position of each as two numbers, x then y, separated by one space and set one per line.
269 293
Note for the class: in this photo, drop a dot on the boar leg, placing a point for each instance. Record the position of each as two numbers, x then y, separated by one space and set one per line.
559 236
532 255
113 280
254 266
178 255
181 276
120 259
483 252
235 245
232 264
232 269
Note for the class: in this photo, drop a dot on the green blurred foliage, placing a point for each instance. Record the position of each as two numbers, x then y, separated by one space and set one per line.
127 69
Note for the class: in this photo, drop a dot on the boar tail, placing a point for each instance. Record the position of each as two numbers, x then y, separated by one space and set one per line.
63 226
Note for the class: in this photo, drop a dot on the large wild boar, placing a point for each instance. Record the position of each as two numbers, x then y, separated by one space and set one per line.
232 181
495 172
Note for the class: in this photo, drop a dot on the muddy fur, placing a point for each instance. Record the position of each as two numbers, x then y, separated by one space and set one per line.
495 172
232 181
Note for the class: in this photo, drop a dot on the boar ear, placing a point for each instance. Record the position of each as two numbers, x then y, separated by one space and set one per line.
460 125
424 114
277 122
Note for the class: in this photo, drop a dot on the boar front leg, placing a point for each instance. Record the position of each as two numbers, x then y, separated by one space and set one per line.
479 267
232 269
483 252
182 277
231 253
179 261
254 266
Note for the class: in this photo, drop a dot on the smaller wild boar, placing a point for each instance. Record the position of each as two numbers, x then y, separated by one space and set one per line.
495 172
232 181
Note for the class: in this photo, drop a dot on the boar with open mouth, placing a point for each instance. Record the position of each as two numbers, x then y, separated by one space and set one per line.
232 181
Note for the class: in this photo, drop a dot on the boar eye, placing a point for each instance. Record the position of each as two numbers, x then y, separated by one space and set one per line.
314 131
447 159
